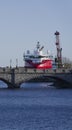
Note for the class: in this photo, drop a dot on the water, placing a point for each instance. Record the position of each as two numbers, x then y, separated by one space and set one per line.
36 107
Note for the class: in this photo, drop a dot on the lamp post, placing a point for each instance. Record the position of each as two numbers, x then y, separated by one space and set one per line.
16 63
10 63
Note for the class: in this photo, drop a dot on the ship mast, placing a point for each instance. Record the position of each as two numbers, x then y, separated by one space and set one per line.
38 45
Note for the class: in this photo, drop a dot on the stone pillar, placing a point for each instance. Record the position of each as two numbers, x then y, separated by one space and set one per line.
13 76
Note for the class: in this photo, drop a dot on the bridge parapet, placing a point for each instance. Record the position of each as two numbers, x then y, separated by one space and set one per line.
26 70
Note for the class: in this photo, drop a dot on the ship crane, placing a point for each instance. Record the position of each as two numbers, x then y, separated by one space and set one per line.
59 50
41 48
38 46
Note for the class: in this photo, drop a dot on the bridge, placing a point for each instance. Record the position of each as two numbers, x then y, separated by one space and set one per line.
14 77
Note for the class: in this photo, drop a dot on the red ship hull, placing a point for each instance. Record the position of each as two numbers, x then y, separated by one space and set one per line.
45 64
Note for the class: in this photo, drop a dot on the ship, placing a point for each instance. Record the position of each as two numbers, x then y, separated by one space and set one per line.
37 59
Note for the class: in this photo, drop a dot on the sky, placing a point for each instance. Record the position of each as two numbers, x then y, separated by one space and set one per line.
24 22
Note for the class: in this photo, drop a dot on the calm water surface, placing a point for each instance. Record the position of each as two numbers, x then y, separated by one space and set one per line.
36 107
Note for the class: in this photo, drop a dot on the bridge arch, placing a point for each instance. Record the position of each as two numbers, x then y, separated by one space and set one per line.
3 84
8 84
58 81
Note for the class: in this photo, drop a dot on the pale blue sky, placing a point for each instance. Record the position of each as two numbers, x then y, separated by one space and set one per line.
24 22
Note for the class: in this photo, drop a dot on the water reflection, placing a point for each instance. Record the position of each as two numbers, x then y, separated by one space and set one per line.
29 85
36 85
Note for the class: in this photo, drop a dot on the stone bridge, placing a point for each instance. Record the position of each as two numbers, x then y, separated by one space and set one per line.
14 77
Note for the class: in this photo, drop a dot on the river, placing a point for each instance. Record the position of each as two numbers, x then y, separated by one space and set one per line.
35 106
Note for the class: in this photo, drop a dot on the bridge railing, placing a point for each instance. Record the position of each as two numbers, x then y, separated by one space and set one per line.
27 70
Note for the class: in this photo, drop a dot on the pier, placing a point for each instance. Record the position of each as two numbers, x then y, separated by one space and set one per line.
14 77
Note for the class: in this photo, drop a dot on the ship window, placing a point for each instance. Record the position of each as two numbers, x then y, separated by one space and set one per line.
39 56
32 56
42 56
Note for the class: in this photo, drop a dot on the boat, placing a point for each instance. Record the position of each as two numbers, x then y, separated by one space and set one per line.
37 59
